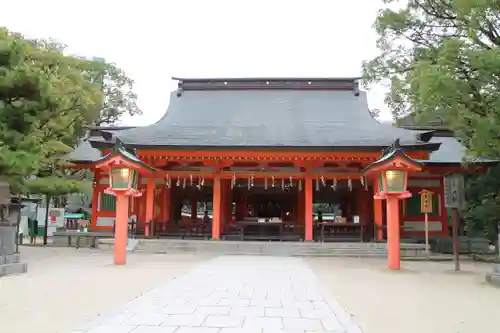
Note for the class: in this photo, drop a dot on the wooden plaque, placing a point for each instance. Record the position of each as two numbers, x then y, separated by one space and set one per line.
426 201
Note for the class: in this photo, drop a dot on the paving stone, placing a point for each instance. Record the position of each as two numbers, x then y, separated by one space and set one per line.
316 313
197 330
321 305
269 323
247 311
206 301
233 294
212 310
239 330
155 329
282 312
267 303
236 302
183 320
112 329
115 319
302 324
297 304
149 319
223 321
178 309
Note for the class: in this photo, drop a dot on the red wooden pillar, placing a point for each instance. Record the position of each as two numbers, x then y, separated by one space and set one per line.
167 207
121 229
393 237
150 203
95 198
378 215
229 202
223 200
308 208
216 210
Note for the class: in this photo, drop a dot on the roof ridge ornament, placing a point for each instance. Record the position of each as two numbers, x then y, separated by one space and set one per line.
118 146
396 144
180 88
356 88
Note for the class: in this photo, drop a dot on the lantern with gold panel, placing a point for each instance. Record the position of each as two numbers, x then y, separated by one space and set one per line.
390 173
124 168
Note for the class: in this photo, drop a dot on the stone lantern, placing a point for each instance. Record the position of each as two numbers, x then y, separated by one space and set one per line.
10 215
391 175
123 167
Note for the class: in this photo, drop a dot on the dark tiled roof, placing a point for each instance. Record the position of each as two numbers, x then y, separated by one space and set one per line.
259 118
84 153
452 151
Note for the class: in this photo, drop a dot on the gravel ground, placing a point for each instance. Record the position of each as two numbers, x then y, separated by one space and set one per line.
423 297
64 286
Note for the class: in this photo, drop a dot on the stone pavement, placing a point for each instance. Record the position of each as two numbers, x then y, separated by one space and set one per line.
233 294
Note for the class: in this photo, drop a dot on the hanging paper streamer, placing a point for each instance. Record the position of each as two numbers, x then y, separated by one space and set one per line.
282 184
322 181
178 183
317 185
233 181
334 184
265 183
190 180
168 181
183 182
272 181
300 184
202 181
349 184
290 181
251 181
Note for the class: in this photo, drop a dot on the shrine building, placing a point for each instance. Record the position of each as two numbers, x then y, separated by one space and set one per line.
269 158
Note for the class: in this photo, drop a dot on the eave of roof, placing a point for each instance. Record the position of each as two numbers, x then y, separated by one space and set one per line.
426 147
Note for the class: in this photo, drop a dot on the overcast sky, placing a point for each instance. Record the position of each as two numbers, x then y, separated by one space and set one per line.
153 40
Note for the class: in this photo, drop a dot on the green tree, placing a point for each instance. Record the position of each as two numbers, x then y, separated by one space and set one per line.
46 100
441 59
483 204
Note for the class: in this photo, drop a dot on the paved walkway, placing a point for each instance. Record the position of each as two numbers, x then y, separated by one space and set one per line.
233 294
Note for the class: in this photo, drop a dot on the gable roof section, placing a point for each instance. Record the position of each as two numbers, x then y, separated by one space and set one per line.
313 114
452 151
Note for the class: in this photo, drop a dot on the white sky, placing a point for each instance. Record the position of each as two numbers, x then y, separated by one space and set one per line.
155 40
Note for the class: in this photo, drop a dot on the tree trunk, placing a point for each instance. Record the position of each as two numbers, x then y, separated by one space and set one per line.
46 224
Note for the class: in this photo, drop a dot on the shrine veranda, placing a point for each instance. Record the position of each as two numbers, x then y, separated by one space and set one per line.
232 152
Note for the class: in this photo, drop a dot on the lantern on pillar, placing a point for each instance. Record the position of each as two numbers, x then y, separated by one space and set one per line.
123 167
391 175
123 178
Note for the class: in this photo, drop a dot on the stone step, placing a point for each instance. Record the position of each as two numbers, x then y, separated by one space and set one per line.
268 248
15 268
10 259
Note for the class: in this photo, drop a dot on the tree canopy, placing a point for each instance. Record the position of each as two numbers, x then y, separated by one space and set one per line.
46 99
441 59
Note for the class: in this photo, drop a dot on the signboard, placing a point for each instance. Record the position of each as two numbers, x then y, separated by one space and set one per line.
454 196
426 201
